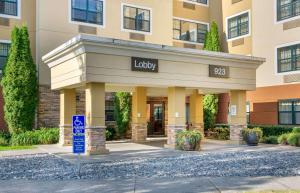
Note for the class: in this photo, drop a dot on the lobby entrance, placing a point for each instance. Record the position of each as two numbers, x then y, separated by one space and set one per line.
102 65
156 119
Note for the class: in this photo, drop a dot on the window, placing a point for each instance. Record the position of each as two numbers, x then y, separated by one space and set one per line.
88 11
287 9
248 112
288 58
4 48
200 1
289 112
109 110
9 7
189 31
238 26
136 19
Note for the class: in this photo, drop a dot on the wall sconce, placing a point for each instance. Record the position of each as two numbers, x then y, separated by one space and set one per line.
139 115
176 114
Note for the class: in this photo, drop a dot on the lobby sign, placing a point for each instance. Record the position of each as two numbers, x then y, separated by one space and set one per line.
218 71
144 64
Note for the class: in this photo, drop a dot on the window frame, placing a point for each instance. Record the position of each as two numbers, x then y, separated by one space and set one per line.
276 10
138 7
249 25
197 3
85 23
293 111
290 44
18 16
191 21
4 42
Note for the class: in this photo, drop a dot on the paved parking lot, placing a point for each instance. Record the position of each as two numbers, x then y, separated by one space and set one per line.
147 167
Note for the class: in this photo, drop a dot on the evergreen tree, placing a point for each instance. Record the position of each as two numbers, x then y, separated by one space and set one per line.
212 40
122 112
211 43
19 83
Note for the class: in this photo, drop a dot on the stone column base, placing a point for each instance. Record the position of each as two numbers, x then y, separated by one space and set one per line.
199 127
139 132
65 135
95 141
236 134
172 130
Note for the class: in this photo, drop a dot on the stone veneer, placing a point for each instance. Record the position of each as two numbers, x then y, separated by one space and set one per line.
95 141
139 132
236 134
172 131
48 107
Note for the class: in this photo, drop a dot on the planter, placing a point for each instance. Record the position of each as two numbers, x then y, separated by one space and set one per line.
252 136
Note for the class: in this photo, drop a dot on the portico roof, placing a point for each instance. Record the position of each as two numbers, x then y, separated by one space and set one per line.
87 58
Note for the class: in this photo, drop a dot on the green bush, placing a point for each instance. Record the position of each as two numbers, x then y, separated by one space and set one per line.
272 130
4 138
110 133
122 112
270 140
296 130
222 133
210 105
283 139
188 139
294 139
222 125
42 136
19 82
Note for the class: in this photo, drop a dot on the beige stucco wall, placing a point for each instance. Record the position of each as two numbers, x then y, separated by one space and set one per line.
200 13
28 18
267 38
54 27
230 9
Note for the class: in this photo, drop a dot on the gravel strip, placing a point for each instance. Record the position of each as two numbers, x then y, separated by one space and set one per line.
217 164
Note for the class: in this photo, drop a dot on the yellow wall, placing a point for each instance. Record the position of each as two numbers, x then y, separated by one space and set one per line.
28 16
55 30
230 9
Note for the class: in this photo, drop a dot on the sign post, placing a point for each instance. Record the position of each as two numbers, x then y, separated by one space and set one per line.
78 127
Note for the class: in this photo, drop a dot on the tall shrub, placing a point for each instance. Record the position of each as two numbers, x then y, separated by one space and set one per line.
19 83
211 43
212 39
122 112
210 110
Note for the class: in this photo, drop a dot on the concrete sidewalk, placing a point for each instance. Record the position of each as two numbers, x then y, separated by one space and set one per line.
165 185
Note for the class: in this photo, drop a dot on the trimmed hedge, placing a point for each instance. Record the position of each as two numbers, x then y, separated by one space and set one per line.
42 136
270 140
294 139
4 138
272 130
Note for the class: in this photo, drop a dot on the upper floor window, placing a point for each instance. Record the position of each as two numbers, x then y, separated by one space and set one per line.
137 19
205 2
9 8
288 58
4 48
189 31
289 112
287 9
88 11
238 26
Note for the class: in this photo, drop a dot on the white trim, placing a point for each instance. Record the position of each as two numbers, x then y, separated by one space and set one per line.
136 31
196 3
18 16
193 21
285 20
188 42
249 21
276 59
84 23
5 41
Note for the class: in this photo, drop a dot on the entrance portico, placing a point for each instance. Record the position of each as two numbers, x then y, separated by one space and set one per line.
98 65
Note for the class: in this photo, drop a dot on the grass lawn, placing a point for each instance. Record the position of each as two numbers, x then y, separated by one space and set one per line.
9 148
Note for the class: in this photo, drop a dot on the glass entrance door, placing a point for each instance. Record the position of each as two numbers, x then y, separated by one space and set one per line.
156 127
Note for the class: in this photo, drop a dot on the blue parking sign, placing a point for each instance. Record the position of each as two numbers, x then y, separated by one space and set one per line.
78 144
78 124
